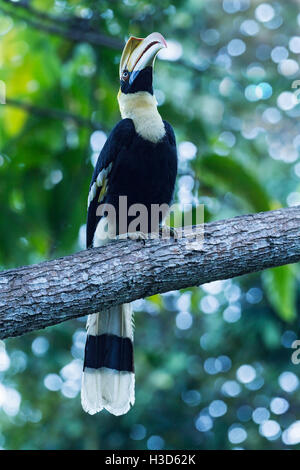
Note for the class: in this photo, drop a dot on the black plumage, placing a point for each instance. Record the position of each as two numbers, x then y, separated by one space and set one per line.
109 351
136 81
143 171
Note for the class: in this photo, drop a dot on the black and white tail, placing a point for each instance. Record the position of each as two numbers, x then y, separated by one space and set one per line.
108 375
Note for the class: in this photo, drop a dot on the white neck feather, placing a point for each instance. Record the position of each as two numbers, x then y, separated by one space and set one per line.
141 107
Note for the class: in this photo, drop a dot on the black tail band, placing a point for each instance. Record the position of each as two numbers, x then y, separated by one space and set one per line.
109 351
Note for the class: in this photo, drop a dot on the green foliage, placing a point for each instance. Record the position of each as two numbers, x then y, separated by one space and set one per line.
228 174
210 360
281 286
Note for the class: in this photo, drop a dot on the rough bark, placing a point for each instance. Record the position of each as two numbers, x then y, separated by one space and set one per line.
34 297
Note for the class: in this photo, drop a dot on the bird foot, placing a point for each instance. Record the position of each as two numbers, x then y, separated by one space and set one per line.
168 232
137 236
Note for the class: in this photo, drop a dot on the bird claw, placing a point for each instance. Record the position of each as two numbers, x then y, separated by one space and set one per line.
168 232
136 236
164 232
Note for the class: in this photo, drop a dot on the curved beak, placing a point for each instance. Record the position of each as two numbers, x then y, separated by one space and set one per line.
140 53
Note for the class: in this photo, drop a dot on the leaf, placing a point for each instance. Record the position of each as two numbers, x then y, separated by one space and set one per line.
229 175
157 300
43 5
280 288
14 120
191 215
271 334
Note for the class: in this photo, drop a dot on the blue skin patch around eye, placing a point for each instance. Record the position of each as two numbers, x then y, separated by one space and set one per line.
133 76
139 80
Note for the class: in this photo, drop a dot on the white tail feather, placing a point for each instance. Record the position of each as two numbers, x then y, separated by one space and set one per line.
106 388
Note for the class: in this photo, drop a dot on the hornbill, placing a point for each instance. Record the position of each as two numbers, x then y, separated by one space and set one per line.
139 162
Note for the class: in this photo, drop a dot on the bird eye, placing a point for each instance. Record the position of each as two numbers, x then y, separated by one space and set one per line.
125 75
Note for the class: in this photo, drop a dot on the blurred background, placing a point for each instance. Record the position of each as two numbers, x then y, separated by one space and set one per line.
213 364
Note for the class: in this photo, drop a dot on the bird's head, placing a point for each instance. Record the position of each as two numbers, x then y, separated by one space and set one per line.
137 61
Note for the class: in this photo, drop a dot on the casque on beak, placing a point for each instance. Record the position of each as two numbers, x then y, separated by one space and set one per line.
140 53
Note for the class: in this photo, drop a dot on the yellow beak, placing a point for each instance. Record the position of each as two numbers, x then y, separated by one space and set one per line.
139 53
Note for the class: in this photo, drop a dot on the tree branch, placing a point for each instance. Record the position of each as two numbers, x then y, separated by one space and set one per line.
77 30
34 297
53 113
74 29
